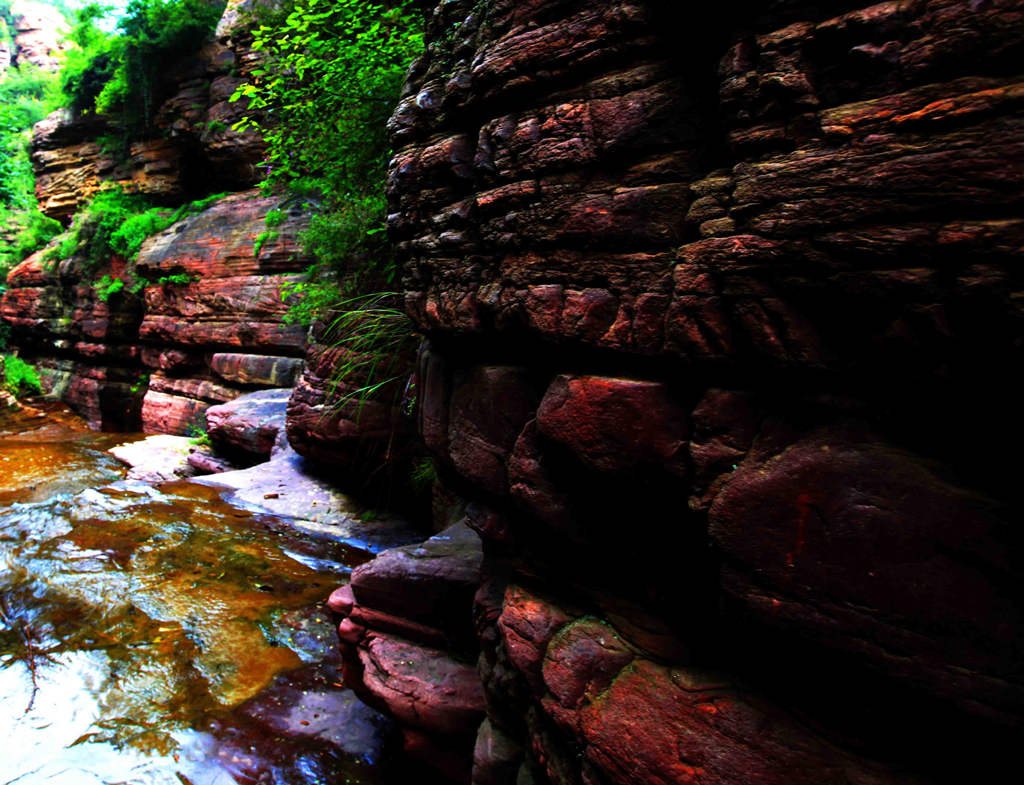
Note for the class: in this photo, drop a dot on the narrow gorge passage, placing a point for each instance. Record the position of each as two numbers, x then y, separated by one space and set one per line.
159 634
552 392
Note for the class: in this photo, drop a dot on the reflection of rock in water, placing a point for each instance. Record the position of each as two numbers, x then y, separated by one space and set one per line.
151 633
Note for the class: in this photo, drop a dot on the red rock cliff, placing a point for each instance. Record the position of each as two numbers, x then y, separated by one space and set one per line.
722 320
155 357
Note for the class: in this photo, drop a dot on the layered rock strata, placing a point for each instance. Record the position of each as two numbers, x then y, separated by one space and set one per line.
85 348
190 151
200 322
364 437
224 331
722 326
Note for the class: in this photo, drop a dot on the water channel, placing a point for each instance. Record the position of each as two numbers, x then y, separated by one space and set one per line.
161 634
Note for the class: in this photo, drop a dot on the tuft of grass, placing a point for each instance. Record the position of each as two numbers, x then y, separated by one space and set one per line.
423 475
198 436
377 339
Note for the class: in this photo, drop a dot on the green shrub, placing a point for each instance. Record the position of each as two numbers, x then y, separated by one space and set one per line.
20 378
107 287
352 253
95 225
198 436
178 279
121 75
90 62
275 218
309 300
136 229
33 231
27 95
333 73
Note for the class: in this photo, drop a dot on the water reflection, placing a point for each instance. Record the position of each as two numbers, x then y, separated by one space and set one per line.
161 635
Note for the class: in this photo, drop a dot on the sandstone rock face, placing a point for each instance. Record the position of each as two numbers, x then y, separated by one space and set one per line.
722 321
209 340
86 349
366 441
158 358
190 151
410 646
38 34
251 424
70 165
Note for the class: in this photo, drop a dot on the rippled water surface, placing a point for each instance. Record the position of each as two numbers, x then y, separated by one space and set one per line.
161 635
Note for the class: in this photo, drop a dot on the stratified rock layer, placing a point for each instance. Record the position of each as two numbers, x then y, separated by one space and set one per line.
723 331
86 348
156 358
252 424
223 332
190 151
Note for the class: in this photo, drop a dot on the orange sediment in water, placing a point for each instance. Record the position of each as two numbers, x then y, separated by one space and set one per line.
132 617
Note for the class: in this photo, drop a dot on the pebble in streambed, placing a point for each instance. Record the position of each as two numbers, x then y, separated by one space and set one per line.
162 635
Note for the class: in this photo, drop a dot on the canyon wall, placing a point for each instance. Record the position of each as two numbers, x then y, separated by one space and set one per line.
722 315
191 150
200 322
200 319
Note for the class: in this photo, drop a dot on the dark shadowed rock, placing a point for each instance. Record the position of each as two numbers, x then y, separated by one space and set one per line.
662 264
856 545
615 425
432 583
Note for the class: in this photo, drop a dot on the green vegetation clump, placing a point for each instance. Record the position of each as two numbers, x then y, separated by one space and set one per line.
20 378
107 287
423 475
332 75
262 239
29 230
27 95
178 279
112 222
121 74
198 436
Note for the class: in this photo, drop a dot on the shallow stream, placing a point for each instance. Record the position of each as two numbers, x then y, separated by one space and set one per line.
160 634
